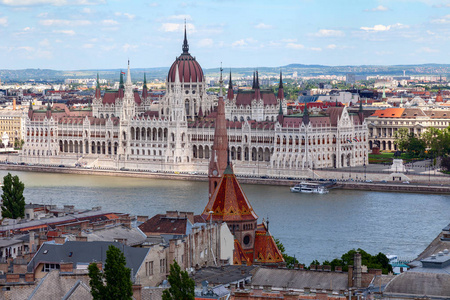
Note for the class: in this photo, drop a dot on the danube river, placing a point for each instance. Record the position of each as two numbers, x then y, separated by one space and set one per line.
310 226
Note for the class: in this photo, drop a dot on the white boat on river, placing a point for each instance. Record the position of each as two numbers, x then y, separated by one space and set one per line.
310 188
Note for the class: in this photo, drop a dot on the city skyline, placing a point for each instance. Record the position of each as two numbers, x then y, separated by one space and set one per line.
103 34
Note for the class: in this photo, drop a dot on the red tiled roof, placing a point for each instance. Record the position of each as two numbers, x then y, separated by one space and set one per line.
265 250
389 113
245 98
188 69
334 113
239 256
160 224
110 97
229 202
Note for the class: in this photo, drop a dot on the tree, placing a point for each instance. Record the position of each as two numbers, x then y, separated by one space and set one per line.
181 286
115 282
13 201
402 138
289 260
379 261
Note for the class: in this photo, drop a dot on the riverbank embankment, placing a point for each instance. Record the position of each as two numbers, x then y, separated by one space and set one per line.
419 187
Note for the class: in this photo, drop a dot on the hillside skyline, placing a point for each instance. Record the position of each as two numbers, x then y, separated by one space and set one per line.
104 34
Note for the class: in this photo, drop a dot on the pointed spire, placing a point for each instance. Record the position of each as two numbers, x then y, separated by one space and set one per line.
144 88
280 117
384 92
305 118
121 86
177 75
253 84
257 80
98 92
185 42
98 82
49 106
257 91
129 74
360 105
220 82
280 88
230 94
31 105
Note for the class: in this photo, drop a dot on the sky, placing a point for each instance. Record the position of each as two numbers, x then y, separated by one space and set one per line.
104 34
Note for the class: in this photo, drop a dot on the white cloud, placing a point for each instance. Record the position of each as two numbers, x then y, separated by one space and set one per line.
59 22
4 21
289 40
329 33
129 16
67 32
378 8
443 20
431 32
27 29
295 46
263 26
108 47
399 26
180 17
44 43
173 27
153 4
239 43
109 22
331 46
428 50
315 49
26 48
88 46
206 43
127 47
50 2
377 28
87 10
43 15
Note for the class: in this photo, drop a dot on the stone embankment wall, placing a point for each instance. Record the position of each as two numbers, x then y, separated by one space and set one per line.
419 184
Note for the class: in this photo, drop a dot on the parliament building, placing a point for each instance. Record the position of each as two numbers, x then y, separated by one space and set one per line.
124 129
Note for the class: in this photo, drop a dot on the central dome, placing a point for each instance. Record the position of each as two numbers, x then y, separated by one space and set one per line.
189 69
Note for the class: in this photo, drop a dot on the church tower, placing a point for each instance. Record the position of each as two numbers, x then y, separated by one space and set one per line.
219 156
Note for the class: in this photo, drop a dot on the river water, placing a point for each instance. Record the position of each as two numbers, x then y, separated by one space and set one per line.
320 227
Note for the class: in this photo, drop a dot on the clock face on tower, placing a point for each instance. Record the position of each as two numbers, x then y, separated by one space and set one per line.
215 172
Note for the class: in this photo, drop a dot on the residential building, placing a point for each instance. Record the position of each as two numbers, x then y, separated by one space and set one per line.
384 123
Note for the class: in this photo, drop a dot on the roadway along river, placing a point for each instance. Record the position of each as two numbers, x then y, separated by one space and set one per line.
310 226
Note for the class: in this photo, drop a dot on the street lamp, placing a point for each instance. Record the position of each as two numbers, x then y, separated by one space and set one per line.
364 171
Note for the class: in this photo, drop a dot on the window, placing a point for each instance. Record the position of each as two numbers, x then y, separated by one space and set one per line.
149 268
49 267
162 266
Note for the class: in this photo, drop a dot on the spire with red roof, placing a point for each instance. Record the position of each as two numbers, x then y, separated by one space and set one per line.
218 161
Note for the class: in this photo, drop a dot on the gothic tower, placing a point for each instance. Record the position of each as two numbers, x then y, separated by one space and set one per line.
219 156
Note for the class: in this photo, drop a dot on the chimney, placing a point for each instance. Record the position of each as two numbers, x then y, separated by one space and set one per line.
350 276
358 269
66 267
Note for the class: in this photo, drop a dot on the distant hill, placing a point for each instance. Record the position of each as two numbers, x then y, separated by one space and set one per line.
160 73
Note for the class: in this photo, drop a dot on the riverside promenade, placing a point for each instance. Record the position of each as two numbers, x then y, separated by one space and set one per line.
346 178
